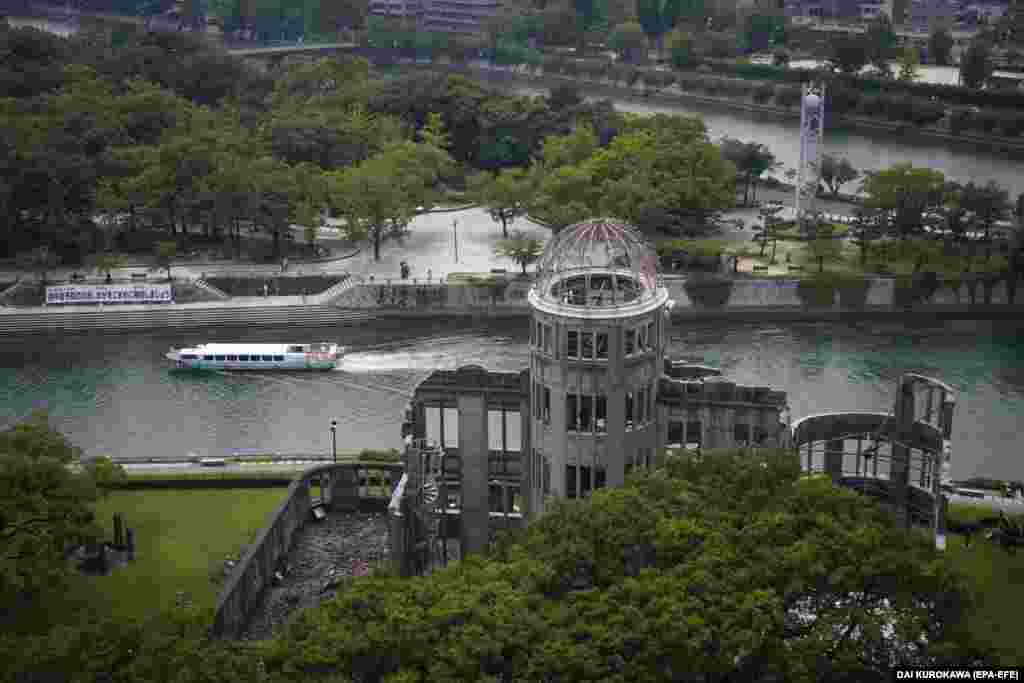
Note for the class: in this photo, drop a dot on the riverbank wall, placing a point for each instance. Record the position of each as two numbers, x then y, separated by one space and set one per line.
740 300
509 79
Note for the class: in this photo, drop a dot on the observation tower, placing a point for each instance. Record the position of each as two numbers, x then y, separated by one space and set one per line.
597 338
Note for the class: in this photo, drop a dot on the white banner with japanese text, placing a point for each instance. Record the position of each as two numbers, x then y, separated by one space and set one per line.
110 294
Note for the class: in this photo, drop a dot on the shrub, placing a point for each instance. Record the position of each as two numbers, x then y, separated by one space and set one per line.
380 455
960 120
873 105
708 291
916 289
924 112
788 95
987 122
618 73
842 100
763 92
817 291
1011 124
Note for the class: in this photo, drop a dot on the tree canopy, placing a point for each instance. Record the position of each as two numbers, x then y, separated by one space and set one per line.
719 566
904 192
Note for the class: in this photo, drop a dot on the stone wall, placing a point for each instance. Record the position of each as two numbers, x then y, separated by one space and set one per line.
691 296
342 489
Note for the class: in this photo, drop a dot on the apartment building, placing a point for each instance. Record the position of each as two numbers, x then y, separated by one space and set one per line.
443 16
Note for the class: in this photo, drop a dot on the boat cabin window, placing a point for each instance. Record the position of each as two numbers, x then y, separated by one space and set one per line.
189 356
218 357
232 358
243 358
207 357
295 349
268 358
278 359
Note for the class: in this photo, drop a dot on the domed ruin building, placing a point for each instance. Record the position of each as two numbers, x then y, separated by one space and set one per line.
598 400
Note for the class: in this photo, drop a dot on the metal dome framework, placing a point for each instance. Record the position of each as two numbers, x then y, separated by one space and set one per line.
599 263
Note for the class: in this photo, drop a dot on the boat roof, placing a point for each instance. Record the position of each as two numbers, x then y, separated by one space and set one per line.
250 348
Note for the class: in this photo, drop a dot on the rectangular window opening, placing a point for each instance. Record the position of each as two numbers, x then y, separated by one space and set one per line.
513 432
584 481
630 342
573 342
675 432
547 405
451 428
602 346
570 481
601 414
571 418
587 413
588 346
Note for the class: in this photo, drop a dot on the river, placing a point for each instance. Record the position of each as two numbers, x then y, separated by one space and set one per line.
114 395
959 161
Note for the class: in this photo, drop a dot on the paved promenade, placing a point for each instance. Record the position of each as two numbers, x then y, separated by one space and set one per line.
437 243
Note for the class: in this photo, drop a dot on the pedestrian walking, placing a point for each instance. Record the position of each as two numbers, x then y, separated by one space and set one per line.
266 289
430 274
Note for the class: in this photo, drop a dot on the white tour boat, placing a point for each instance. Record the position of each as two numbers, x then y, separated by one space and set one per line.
316 356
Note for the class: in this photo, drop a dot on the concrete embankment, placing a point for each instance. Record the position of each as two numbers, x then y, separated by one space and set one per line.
743 300
173 316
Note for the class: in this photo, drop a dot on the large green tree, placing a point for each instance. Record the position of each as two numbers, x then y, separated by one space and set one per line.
940 46
381 195
717 566
976 65
904 192
506 195
659 175
836 172
752 160
849 53
628 40
45 509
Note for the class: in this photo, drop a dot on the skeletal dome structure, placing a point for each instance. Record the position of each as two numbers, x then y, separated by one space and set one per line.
598 263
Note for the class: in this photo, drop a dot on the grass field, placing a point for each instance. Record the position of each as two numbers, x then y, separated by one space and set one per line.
182 538
1000 581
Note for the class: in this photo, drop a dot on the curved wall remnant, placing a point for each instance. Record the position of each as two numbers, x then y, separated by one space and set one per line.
901 458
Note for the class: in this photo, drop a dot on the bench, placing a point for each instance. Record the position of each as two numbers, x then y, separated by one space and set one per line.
138 276
75 277
760 268
792 268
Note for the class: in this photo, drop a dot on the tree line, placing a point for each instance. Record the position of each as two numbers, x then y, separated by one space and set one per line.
128 140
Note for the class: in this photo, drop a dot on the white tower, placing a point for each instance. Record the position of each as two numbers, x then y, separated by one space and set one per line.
812 126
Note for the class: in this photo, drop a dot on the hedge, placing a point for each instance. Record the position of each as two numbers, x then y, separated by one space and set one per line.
708 291
380 455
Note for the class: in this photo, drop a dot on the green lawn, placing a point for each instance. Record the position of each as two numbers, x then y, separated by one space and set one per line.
1000 581
182 537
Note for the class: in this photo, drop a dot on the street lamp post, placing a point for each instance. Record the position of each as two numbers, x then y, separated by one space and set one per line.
334 440
455 231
